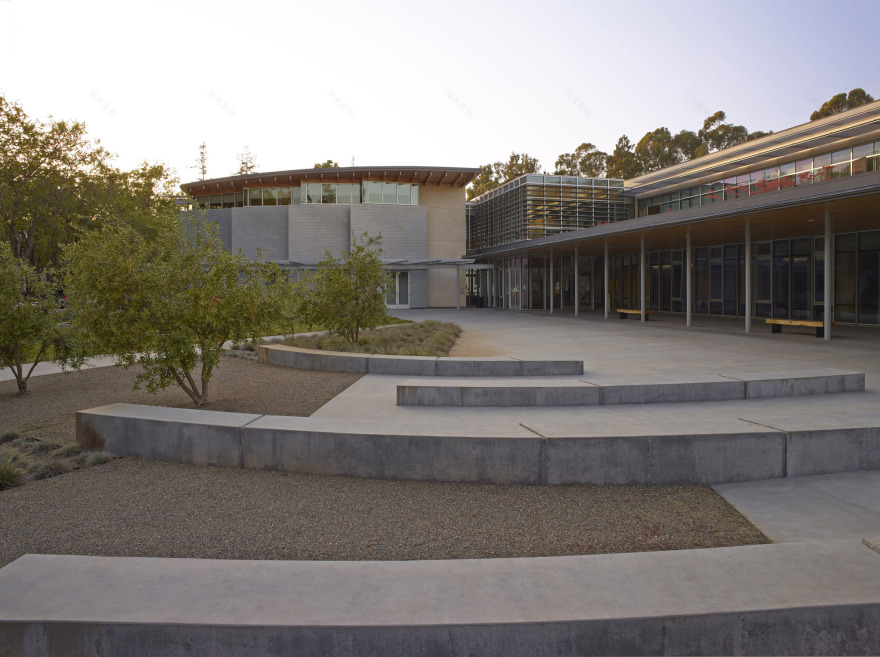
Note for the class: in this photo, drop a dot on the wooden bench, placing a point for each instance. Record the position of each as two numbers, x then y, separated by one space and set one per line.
626 311
777 324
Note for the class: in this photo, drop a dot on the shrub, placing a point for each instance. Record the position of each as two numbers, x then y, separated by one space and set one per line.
9 475
8 437
97 458
51 469
70 449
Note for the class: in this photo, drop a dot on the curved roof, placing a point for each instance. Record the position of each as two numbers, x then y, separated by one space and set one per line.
455 176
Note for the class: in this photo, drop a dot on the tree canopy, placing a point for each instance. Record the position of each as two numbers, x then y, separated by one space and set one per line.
247 161
168 297
586 160
842 102
55 183
328 164
495 175
32 326
347 294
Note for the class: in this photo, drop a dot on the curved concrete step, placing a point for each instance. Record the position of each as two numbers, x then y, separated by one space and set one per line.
738 451
583 392
334 361
794 598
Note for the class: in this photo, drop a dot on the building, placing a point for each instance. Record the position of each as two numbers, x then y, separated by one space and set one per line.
296 215
785 227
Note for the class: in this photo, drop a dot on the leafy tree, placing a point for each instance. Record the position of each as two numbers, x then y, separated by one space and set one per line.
329 164
494 175
346 294
718 135
623 163
842 102
168 296
32 326
657 150
54 183
201 164
247 162
587 160
483 183
689 145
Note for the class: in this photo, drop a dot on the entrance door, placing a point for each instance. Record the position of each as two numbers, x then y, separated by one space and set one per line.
397 296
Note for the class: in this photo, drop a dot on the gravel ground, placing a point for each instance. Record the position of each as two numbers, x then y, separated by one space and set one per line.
136 507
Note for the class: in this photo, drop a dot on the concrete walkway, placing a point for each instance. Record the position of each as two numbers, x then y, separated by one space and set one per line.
816 591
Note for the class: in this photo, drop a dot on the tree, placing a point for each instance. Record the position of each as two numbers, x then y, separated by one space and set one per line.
494 175
32 326
55 183
657 150
329 164
623 163
347 294
168 297
201 164
718 135
587 160
246 161
842 102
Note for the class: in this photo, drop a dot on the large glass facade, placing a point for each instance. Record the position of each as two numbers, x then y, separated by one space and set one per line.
821 168
533 206
787 280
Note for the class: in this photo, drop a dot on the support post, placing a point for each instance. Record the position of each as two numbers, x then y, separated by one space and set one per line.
552 288
642 279
748 276
688 279
457 288
828 306
606 301
592 282
577 286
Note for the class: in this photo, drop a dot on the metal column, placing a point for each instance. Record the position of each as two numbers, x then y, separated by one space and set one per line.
552 289
688 279
457 287
577 286
642 279
829 266
605 281
748 278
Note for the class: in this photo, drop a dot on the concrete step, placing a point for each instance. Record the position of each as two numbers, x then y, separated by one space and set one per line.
796 598
334 361
725 452
589 392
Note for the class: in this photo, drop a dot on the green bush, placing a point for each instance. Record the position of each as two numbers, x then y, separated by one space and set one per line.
9 475
427 338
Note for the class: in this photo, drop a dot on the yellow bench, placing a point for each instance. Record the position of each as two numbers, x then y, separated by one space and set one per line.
777 324
626 311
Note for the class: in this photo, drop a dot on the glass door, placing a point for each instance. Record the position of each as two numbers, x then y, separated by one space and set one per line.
397 294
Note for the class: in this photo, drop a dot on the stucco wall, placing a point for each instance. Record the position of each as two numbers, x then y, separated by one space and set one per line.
446 232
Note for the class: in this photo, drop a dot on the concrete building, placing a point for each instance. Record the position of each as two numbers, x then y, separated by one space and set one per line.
296 215
782 229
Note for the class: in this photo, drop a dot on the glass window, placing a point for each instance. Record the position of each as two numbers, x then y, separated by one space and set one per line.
215 201
374 193
312 192
239 199
356 193
404 196
270 196
284 196
860 157
328 193
295 195
389 193
840 161
804 171
415 194
255 196
555 180
343 194
787 175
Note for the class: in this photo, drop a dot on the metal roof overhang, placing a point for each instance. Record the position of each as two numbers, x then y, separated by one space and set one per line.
817 135
455 176
851 211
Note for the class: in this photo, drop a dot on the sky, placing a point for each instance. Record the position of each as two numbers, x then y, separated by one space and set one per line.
454 84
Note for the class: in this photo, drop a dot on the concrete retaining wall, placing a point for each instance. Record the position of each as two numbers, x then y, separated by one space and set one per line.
586 393
312 446
334 361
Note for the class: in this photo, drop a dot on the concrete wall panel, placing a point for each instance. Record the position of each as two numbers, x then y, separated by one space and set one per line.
316 228
260 228
402 227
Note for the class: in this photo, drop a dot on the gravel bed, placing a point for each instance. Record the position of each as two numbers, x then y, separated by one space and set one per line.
137 507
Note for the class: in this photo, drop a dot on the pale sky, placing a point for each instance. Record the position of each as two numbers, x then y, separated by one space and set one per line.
426 84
